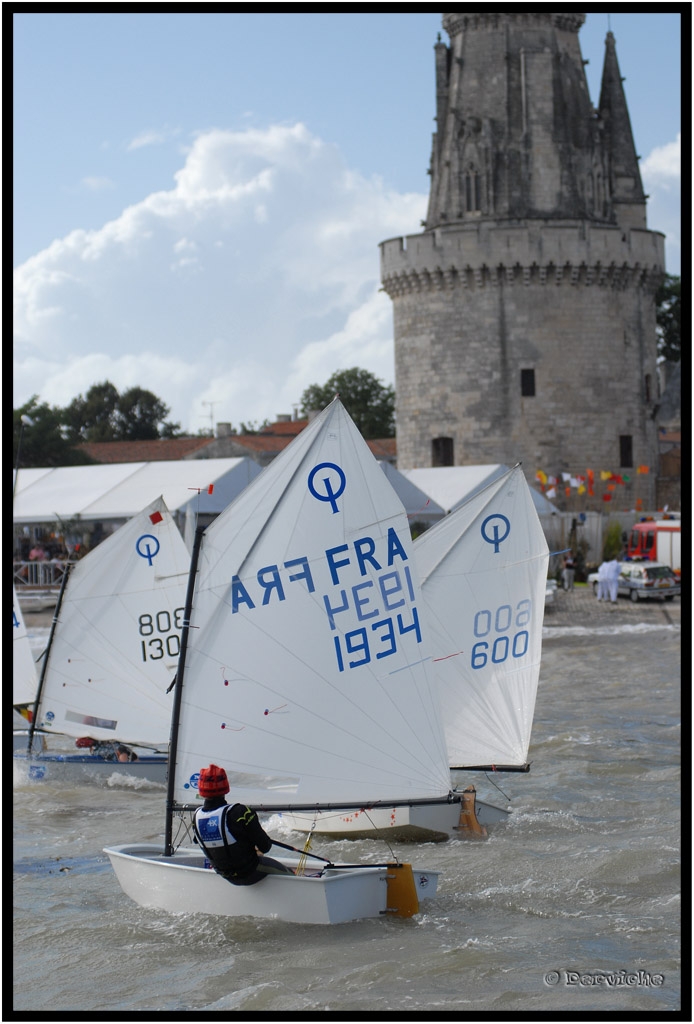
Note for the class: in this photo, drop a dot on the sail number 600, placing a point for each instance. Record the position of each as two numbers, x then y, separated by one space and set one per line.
501 622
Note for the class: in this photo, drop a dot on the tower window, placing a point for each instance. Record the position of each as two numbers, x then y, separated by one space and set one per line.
527 383
442 451
472 192
647 387
626 457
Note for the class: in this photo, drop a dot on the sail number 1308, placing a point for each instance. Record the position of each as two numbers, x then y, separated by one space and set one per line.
503 632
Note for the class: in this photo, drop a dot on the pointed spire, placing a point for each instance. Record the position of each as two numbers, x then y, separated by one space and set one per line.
625 177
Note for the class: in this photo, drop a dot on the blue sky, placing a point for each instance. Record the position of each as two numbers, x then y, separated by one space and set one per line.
199 197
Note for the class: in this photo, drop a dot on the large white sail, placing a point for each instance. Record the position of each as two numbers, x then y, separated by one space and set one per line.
307 672
483 571
116 643
24 677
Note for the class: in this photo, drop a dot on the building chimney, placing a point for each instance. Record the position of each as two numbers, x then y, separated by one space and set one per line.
223 430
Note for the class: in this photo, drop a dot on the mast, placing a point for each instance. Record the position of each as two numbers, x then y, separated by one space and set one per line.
178 683
46 656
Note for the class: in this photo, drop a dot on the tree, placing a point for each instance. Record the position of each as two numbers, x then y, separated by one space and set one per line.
105 415
44 441
370 403
667 315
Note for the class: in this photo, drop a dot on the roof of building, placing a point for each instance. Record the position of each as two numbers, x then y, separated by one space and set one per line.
271 439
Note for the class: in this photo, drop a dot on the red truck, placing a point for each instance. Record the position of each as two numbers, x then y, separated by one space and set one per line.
657 540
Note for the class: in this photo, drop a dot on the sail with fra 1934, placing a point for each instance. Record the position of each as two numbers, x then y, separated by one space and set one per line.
307 668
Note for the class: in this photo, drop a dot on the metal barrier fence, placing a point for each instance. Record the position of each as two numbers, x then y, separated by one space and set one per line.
39 574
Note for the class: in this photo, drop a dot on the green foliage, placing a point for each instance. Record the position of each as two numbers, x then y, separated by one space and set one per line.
612 545
370 403
43 438
105 415
668 318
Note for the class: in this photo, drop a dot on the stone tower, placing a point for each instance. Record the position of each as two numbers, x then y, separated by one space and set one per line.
524 314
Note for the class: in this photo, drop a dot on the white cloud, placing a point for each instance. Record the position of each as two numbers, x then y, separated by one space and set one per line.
663 165
95 184
661 175
255 276
147 138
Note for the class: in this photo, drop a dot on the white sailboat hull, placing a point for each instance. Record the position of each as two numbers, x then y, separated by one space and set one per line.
181 884
81 768
416 823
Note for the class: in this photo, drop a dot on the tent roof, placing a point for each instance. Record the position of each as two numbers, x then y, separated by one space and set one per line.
121 490
418 505
451 486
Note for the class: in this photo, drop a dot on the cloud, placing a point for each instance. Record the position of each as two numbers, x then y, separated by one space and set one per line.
95 184
662 167
148 138
255 276
661 175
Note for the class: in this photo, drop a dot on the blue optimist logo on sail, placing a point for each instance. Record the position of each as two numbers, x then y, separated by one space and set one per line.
492 532
147 546
329 493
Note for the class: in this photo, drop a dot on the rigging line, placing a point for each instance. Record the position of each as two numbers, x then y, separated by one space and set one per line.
392 852
486 775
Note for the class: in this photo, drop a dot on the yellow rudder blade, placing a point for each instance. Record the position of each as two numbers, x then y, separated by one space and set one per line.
402 899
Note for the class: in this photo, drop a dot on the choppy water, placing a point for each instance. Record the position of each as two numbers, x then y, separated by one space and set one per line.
584 877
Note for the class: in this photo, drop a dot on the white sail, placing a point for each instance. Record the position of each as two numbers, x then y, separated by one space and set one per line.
24 676
116 643
307 671
483 571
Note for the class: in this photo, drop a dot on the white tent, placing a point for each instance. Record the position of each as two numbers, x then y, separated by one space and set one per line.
118 491
451 486
419 506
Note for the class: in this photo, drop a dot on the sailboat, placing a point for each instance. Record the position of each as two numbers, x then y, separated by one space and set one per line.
111 656
25 680
304 672
482 571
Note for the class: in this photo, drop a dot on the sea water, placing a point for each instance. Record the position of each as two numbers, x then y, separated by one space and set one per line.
571 904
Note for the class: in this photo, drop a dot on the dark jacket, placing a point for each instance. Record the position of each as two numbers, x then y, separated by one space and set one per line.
232 847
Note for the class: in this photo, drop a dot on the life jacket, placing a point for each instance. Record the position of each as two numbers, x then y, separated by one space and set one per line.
231 855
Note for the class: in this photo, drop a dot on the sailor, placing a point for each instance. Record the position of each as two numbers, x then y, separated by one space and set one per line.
231 835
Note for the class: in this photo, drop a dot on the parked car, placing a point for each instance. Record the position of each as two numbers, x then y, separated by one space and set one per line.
643 579
550 592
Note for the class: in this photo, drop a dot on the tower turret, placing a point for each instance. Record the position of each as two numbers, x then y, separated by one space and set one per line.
624 177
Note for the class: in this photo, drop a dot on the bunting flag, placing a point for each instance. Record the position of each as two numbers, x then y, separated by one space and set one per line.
605 474
611 487
607 497
552 492
210 488
591 481
567 491
581 489
642 469
542 477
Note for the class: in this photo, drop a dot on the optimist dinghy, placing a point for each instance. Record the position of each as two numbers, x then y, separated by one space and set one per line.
304 672
112 652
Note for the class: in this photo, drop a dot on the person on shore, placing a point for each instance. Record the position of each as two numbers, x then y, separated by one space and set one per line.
612 572
568 572
602 591
231 835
